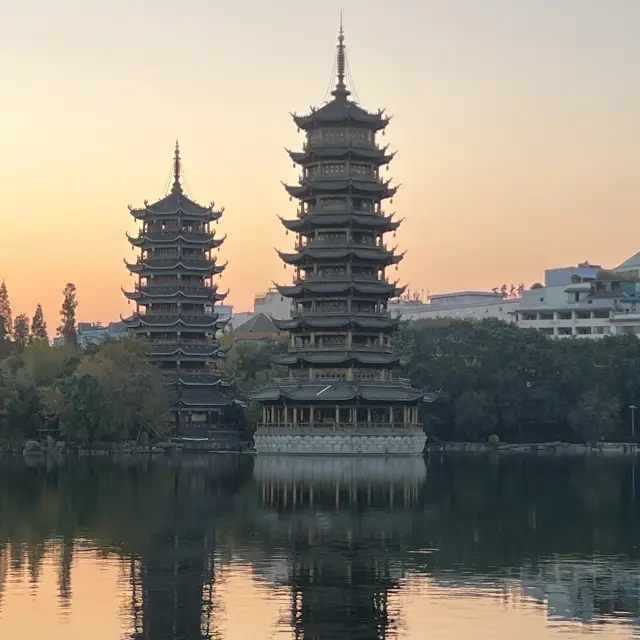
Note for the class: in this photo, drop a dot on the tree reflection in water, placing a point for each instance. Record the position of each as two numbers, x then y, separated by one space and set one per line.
339 534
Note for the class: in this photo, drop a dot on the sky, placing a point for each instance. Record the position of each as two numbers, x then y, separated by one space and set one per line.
515 121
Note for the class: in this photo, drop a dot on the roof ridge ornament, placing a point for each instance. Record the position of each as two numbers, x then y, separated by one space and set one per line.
177 166
341 92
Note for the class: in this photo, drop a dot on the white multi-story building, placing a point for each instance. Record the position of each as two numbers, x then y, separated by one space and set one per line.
584 301
463 305
272 304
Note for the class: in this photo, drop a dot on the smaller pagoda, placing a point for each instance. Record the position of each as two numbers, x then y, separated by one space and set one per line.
175 298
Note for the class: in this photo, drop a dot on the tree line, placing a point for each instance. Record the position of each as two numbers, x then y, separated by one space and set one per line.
104 392
16 334
520 385
495 380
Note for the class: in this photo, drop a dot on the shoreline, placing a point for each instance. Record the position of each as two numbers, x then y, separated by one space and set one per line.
35 449
558 448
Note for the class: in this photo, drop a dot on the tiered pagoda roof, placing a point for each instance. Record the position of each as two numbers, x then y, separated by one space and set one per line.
340 348
175 297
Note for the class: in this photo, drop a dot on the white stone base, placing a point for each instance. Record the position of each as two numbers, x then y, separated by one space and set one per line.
346 444
341 470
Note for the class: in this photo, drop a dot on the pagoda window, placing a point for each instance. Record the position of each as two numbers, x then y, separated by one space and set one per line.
329 272
334 169
364 307
360 204
331 305
364 238
362 170
334 374
332 237
314 137
334 136
332 341
333 203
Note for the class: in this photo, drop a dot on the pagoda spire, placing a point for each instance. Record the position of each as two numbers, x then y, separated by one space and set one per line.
177 187
341 92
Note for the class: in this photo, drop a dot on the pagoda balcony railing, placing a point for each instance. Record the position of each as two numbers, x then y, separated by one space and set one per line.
203 376
171 288
167 261
330 244
348 208
355 378
173 316
343 348
178 312
340 277
370 176
340 311
173 232
332 427
326 142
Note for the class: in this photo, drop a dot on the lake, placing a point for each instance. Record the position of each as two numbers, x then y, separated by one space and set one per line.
240 547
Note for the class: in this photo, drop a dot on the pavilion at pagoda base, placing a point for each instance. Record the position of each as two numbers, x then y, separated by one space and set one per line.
335 440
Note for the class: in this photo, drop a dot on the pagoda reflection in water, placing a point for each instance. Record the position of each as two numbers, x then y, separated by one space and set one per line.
341 522
172 573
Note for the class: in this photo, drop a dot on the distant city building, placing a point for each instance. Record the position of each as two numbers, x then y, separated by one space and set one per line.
463 305
273 304
586 301
176 310
94 333
341 395
258 328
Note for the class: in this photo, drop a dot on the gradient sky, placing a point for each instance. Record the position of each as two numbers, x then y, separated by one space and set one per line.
516 123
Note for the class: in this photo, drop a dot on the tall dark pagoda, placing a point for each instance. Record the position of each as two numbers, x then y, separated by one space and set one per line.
341 395
175 300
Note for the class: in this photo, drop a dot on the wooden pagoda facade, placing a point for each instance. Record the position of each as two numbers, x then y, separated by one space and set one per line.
341 394
175 297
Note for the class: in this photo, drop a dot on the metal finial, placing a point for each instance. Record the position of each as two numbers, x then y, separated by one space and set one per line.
177 187
341 90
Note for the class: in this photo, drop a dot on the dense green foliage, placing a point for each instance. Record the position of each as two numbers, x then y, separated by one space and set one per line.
112 393
495 378
521 385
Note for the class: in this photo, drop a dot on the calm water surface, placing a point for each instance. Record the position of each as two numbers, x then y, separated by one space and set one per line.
236 547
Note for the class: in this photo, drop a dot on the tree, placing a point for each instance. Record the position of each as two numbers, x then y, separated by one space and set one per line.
5 309
21 332
39 326
133 389
67 329
595 416
475 415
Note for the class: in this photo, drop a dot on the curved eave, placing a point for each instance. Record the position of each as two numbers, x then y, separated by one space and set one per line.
311 322
143 241
378 157
183 351
380 190
209 268
322 116
331 359
140 320
175 206
210 294
313 254
315 220
328 288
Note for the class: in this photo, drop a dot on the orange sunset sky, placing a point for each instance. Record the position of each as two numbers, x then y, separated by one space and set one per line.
516 123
